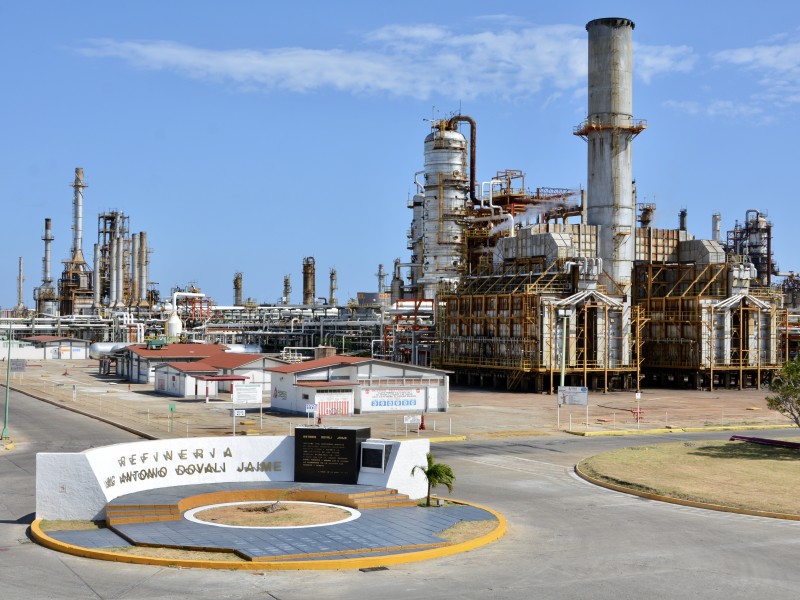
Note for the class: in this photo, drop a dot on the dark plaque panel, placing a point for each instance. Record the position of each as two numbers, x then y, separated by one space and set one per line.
328 455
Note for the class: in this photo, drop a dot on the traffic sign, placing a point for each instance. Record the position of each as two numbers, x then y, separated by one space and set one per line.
239 412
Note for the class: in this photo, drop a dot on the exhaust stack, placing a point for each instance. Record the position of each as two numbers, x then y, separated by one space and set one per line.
77 217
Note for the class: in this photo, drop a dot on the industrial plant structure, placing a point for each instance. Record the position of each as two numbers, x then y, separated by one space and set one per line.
507 285
537 287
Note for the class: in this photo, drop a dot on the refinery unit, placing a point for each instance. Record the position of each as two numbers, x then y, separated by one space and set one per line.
519 287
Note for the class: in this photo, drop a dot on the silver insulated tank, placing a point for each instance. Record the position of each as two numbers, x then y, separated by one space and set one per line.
445 201
609 130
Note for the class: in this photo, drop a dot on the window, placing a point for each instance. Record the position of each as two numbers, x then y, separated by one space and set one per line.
305 396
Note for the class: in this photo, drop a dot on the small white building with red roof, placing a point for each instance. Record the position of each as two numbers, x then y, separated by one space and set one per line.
345 385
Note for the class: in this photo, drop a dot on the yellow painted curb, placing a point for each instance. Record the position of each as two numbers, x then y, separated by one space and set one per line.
692 503
277 565
676 430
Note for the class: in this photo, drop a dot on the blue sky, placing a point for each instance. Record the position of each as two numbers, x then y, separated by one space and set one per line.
244 136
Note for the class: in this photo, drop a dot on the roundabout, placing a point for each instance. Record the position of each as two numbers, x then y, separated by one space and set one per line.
374 537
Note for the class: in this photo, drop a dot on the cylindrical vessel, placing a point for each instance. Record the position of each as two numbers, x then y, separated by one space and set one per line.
143 267
134 269
96 297
237 289
48 238
120 272
444 207
112 272
309 283
609 131
716 227
287 289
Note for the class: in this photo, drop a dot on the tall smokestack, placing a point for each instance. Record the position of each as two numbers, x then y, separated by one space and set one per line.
381 274
47 279
112 272
134 299
309 283
144 265
20 280
77 216
120 271
609 130
334 286
96 299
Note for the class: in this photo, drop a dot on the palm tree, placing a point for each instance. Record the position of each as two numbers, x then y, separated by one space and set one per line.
435 474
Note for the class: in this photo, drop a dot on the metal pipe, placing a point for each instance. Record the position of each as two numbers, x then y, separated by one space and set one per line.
473 130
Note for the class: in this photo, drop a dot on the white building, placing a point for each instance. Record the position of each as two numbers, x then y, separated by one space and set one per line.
349 385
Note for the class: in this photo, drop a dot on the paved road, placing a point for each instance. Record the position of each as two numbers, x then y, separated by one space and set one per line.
566 539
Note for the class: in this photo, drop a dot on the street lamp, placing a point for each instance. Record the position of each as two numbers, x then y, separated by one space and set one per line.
4 435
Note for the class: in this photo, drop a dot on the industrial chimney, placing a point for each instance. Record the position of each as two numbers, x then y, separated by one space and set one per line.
45 295
309 283
237 289
609 130
20 279
77 217
144 262
332 300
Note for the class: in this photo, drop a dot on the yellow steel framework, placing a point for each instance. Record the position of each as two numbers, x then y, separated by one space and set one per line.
681 339
502 326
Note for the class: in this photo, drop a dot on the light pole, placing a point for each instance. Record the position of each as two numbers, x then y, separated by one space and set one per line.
4 435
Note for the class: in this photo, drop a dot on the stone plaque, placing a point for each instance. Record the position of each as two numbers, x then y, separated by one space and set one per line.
328 455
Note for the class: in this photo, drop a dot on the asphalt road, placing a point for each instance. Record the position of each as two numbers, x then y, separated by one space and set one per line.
566 539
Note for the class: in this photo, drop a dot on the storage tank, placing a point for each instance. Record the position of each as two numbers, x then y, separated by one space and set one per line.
174 326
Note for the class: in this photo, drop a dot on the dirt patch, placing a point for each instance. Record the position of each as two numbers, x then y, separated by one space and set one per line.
273 514
467 530
54 525
736 474
176 554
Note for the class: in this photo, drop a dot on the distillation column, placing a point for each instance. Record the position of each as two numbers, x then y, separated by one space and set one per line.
309 281
446 194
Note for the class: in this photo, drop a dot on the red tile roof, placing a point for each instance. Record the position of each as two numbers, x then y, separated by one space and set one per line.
200 366
179 351
315 384
233 360
319 362
51 338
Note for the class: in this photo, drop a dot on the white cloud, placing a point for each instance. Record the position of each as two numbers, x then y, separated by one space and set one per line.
402 60
777 67
654 60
